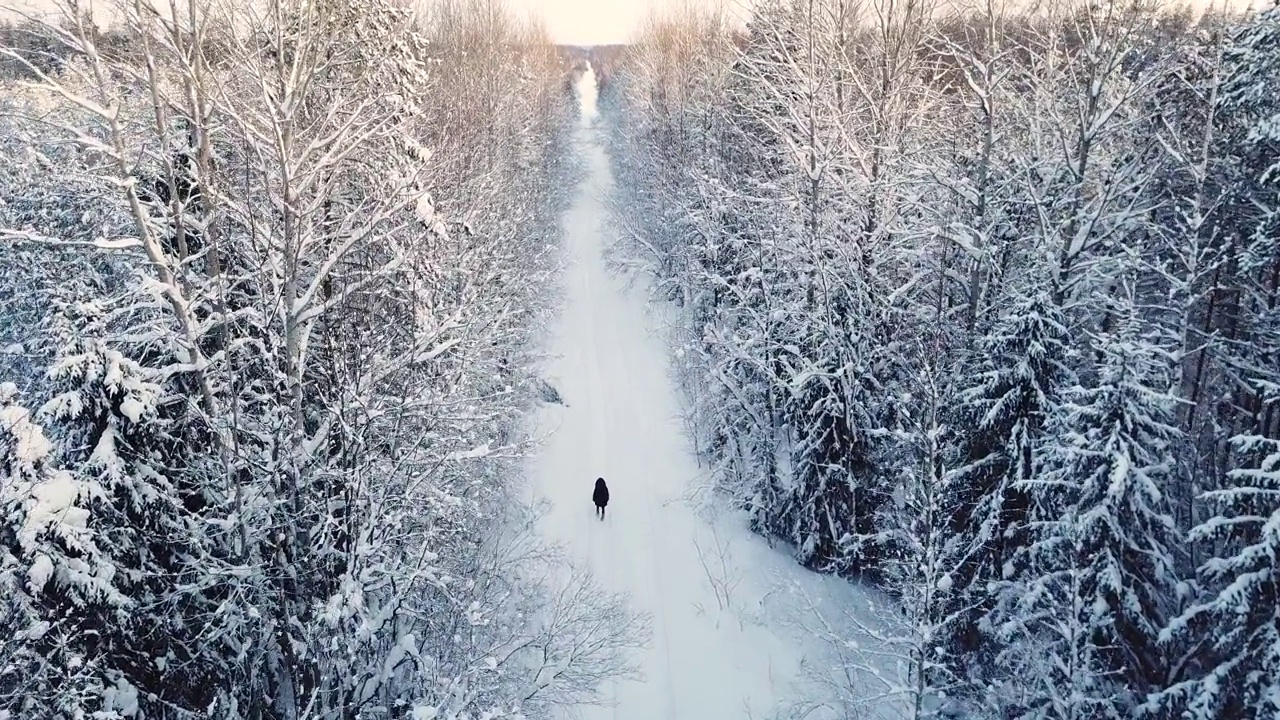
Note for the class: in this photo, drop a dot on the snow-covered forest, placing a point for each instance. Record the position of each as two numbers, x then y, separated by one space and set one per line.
271 276
980 306
314 335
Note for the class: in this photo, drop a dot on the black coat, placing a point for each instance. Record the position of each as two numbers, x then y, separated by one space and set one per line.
601 495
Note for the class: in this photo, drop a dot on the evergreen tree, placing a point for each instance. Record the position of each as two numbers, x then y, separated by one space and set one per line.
140 605
44 541
1094 585
1233 625
1001 423
1239 618
831 503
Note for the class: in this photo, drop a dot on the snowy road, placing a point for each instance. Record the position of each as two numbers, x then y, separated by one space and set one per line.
714 655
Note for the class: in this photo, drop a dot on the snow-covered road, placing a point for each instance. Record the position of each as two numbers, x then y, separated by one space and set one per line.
718 650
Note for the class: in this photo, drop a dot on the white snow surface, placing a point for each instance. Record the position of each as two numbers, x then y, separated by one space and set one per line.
587 90
29 443
714 654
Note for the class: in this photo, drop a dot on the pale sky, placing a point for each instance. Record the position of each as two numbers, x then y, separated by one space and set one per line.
600 22
571 22
604 22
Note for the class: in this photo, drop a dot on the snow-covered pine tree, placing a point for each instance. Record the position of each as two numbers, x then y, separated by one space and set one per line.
897 665
127 439
133 470
1001 418
1236 624
1092 589
110 534
43 670
1233 626
830 506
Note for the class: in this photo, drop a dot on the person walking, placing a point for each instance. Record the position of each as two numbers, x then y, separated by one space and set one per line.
600 497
